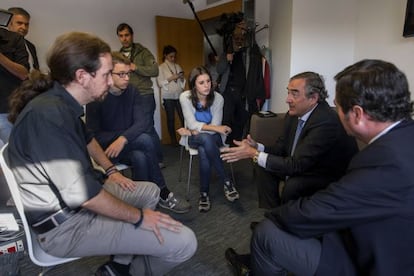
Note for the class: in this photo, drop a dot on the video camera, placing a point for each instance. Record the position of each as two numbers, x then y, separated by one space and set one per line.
5 17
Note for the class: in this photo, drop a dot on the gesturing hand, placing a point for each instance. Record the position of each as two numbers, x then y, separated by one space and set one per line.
242 151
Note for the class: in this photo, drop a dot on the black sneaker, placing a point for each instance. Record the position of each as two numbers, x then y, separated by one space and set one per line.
112 269
204 203
239 263
230 191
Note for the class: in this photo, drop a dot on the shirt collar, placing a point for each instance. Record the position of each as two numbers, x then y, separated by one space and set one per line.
67 97
383 132
306 116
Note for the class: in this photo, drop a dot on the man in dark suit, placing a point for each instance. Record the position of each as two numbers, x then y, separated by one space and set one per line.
363 223
306 159
19 23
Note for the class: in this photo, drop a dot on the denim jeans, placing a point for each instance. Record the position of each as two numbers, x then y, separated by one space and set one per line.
141 155
275 252
5 128
148 105
208 146
171 106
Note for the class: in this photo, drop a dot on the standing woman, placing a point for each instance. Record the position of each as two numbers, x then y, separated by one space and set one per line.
171 81
203 113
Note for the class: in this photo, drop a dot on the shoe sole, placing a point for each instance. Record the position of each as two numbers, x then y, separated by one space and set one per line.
232 199
175 210
204 209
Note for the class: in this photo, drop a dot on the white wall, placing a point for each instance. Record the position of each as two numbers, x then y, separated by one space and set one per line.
379 35
280 41
327 35
319 35
315 35
51 18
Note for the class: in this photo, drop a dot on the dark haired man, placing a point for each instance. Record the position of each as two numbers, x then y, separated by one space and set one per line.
20 23
118 125
143 68
363 223
67 206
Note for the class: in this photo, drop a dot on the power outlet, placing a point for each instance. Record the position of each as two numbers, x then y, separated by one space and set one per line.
12 247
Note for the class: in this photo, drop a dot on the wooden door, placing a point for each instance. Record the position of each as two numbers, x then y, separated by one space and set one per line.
186 36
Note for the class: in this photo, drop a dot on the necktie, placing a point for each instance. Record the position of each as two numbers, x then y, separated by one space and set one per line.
297 134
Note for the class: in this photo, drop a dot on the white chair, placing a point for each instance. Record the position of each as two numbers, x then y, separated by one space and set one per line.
192 152
36 253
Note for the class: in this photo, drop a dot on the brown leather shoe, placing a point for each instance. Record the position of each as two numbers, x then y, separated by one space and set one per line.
238 263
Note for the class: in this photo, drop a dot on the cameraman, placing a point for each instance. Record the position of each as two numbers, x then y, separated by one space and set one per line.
14 67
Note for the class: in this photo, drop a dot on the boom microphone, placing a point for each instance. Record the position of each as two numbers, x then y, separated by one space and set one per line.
201 25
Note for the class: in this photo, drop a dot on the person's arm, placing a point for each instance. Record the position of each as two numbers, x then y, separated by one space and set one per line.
137 127
217 117
165 76
362 196
188 112
16 69
17 65
94 124
247 148
148 67
97 154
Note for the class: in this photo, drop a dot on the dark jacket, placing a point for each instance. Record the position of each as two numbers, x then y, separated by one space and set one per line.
366 219
12 46
117 116
146 68
322 153
33 52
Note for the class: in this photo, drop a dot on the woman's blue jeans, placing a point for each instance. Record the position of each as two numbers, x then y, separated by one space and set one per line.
208 146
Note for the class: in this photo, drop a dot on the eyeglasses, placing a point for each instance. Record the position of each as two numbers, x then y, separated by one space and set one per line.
122 75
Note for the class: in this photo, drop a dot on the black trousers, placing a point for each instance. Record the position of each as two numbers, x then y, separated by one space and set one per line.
171 106
235 114
271 196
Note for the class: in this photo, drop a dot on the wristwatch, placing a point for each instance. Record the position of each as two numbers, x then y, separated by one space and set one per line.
256 156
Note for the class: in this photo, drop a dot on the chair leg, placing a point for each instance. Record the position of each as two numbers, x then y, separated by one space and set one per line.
232 174
181 163
45 269
190 164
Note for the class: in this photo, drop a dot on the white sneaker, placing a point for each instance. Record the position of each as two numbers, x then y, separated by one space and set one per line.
230 192
204 203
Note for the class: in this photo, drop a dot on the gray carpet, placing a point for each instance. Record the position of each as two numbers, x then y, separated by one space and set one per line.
225 225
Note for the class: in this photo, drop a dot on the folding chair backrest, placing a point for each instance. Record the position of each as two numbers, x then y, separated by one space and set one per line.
36 253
